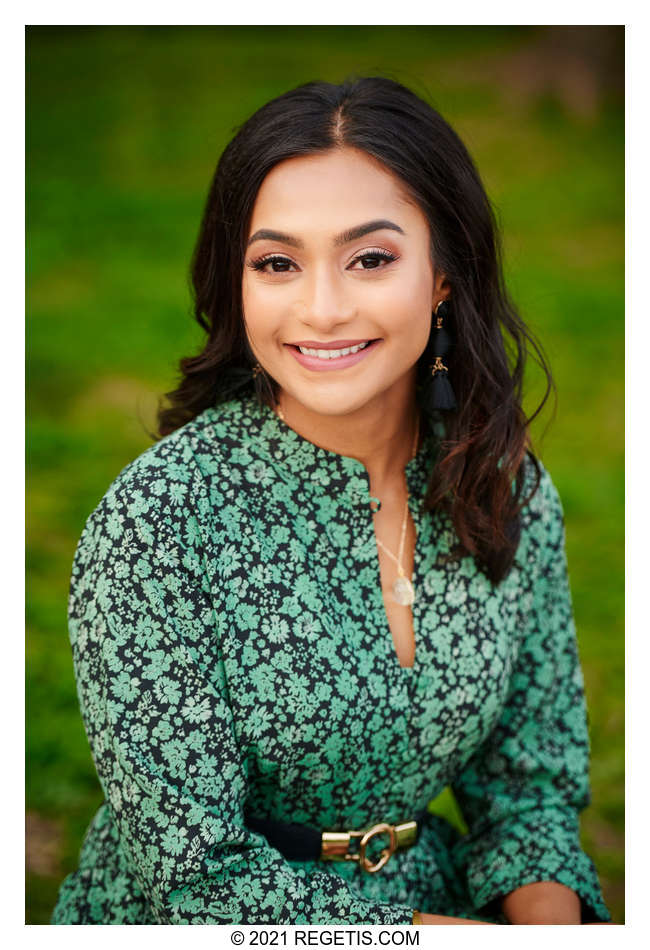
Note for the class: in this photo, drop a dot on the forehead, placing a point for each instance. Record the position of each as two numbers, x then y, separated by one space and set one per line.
331 190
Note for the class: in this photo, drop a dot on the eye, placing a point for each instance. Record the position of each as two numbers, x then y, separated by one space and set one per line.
279 265
373 259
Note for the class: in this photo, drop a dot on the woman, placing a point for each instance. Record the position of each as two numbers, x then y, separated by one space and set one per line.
338 583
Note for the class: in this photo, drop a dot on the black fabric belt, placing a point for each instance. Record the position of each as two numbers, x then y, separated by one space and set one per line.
306 843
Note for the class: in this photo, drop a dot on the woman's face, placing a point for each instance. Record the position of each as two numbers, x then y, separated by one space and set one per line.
338 256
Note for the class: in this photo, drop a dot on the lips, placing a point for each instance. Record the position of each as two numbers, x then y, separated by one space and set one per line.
329 353
322 362
331 345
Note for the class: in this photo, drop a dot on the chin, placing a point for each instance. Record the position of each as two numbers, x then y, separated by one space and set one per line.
333 404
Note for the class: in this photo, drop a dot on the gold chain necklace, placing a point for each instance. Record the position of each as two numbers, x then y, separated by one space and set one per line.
403 591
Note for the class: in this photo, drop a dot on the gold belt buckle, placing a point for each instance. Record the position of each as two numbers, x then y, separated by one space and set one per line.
335 844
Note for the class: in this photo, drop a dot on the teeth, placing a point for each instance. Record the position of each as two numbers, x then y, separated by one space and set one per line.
332 354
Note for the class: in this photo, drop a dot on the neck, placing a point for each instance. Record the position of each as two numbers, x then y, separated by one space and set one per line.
379 434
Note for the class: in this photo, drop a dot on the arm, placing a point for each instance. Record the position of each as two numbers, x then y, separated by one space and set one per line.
544 902
154 700
522 792
444 921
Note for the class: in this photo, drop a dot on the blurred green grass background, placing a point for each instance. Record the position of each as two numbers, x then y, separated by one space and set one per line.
124 128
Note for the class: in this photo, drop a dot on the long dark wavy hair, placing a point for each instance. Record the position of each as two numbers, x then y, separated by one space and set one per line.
478 475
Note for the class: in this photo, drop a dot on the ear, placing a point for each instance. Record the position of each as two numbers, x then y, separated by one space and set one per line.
441 289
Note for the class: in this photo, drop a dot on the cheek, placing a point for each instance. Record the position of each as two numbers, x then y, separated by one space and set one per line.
271 303
406 310
409 325
408 289
258 310
248 297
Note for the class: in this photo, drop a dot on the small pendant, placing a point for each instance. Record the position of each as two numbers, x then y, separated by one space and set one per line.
403 591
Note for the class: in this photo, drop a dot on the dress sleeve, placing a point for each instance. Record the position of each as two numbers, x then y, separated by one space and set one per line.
154 700
522 791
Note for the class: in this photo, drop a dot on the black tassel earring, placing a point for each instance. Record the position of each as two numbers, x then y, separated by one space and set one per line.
438 393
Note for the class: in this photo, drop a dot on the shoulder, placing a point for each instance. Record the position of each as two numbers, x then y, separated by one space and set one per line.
542 513
164 487
541 496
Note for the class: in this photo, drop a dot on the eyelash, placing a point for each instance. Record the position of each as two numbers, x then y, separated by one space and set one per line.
376 253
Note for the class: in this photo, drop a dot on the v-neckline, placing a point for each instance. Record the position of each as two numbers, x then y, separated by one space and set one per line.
406 671
320 469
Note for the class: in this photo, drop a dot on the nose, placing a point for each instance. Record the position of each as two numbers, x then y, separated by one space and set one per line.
326 303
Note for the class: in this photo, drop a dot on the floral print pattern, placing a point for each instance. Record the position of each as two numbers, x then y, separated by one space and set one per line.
233 657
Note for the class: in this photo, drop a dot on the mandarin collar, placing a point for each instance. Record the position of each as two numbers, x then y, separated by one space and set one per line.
319 468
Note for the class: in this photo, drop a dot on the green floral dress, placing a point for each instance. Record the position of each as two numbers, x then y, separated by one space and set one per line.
233 657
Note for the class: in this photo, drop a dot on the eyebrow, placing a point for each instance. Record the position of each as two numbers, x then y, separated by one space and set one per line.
352 234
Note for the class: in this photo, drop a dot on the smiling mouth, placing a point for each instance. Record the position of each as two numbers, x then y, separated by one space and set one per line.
330 353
